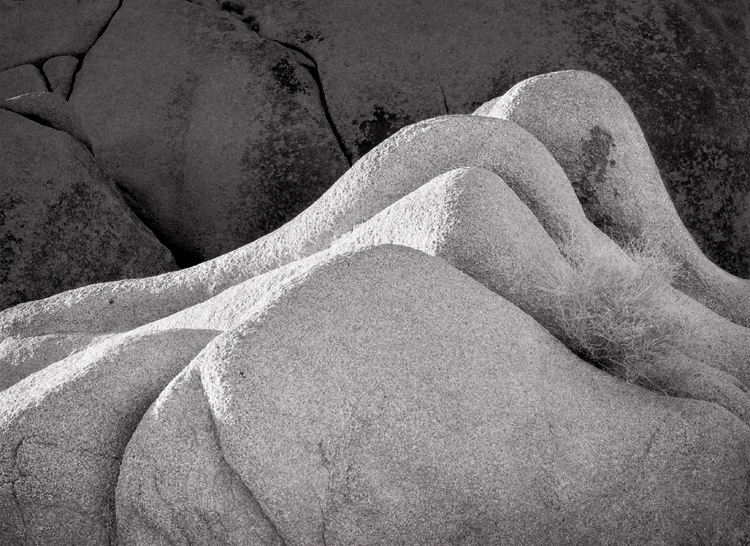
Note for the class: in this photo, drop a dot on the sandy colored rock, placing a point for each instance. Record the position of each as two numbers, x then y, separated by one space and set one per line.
59 73
64 430
215 135
36 30
20 80
388 398
63 224
592 133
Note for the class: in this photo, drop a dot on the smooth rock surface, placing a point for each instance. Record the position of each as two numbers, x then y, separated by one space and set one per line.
63 225
592 133
215 135
49 109
394 169
35 30
59 72
684 67
388 398
63 432
360 394
20 80
470 218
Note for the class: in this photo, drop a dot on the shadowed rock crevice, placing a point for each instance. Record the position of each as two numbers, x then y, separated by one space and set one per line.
312 69
238 10
445 99
82 57
38 65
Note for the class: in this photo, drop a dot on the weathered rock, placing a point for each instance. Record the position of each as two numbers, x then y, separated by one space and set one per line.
470 218
325 411
22 356
49 109
35 31
59 72
63 432
20 80
63 225
216 135
387 398
592 133
393 170
684 67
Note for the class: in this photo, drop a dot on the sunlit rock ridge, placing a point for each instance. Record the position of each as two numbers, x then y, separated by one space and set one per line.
405 362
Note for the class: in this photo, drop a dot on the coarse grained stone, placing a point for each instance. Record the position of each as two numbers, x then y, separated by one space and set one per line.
388 398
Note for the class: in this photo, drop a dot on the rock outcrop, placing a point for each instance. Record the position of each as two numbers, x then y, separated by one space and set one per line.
160 87
592 133
21 80
33 32
387 398
62 223
684 67
215 135
391 366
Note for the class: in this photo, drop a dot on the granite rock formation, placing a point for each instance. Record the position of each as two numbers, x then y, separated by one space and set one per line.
390 366
219 120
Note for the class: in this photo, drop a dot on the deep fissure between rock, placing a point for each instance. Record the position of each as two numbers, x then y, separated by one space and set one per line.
315 73
81 56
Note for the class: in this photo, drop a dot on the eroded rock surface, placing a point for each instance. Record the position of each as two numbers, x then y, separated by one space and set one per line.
592 133
387 398
215 135
63 225
380 369
683 67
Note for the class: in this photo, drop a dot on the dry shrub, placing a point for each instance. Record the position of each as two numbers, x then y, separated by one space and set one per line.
616 310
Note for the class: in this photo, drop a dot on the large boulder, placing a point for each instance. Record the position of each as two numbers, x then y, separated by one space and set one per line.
470 218
684 67
215 135
386 398
592 133
63 224
394 169
63 432
334 354
36 30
